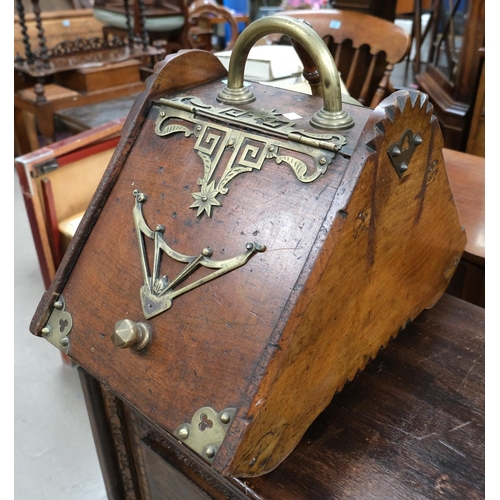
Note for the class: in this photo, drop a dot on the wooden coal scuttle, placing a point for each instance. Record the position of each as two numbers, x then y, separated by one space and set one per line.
249 249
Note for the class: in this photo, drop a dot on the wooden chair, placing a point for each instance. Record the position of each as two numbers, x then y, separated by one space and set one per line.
203 14
365 49
149 20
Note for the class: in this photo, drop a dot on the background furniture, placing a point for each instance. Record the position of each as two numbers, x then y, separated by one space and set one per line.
453 71
58 182
467 178
365 49
413 10
72 73
385 9
204 15
165 22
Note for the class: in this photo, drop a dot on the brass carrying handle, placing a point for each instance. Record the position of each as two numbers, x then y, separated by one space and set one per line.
331 116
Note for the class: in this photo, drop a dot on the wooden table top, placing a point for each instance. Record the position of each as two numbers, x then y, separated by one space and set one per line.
467 179
409 427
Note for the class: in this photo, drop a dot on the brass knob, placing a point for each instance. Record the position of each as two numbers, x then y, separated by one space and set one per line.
128 333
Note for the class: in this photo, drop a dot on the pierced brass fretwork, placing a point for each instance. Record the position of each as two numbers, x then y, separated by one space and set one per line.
158 292
215 132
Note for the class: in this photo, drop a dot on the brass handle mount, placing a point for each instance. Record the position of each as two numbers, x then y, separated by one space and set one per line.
331 116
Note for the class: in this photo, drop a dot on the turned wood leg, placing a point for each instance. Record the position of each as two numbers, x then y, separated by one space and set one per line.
45 122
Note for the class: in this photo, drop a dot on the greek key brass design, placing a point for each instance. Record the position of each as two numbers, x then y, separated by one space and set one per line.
59 326
158 292
189 116
402 151
207 430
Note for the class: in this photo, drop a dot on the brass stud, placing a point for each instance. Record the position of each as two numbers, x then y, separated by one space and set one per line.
322 160
225 417
58 305
210 451
65 341
46 330
184 433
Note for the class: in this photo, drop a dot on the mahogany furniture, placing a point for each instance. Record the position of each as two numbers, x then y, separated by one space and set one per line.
224 359
452 73
467 178
266 288
365 49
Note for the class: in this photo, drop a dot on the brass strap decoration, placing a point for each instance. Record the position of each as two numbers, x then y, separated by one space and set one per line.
158 292
190 116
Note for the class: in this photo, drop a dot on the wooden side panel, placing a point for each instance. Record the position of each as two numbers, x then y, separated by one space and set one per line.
391 252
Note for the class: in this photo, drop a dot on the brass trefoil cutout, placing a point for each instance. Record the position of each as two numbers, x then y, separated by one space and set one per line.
158 292
207 430
402 151
219 129
58 326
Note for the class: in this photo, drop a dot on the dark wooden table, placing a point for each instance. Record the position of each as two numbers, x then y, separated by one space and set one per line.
410 426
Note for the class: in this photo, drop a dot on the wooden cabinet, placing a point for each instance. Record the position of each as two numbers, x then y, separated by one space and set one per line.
452 75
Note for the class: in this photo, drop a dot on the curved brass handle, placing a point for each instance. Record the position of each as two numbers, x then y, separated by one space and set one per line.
331 116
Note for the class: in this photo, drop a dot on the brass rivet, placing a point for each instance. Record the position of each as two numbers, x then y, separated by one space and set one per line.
225 417
204 198
322 160
417 140
396 151
210 451
184 433
58 305
46 330
162 113
65 341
